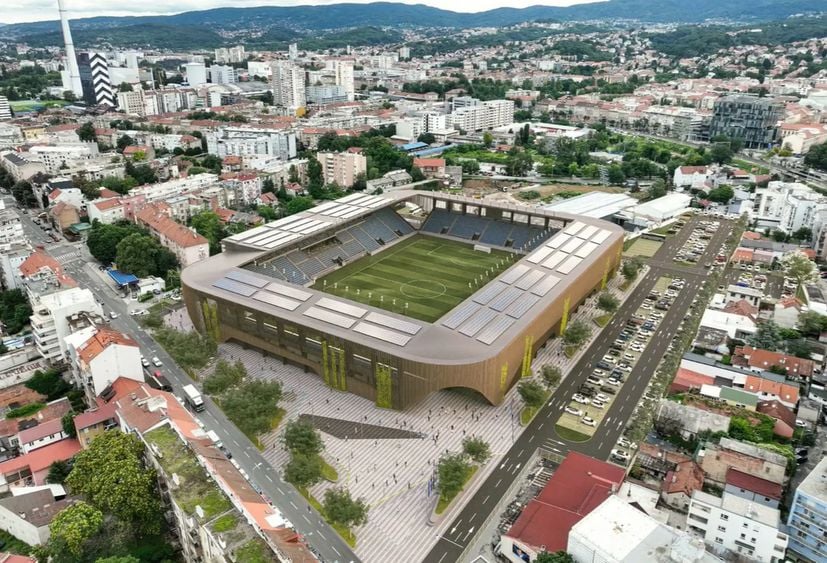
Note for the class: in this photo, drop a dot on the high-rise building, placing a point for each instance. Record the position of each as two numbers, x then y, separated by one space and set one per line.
749 119
486 115
327 94
808 515
404 53
342 168
288 86
5 109
230 55
293 52
72 73
95 80
343 76
221 74
196 74
236 141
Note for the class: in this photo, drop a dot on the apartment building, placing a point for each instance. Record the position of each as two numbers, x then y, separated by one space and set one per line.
50 319
807 521
22 166
223 74
482 116
288 82
736 525
787 206
27 513
230 54
11 257
343 76
139 102
107 211
752 120
11 231
342 168
5 109
57 157
99 355
327 94
188 246
196 74
244 141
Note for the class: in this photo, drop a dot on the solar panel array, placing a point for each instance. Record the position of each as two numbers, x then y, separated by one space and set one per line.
330 317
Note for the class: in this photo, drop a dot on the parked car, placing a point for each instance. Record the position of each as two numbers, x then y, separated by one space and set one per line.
156 362
578 398
594 380
574 411
620 454
588 421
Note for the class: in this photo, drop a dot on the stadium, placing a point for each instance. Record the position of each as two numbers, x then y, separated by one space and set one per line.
396 296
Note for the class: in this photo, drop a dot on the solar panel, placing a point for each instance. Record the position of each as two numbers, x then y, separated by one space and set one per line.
276 300
341 307
505 299
329 317
245 277
540 254
572 245
289 291
514 274
262 236
287 221
382 334
313 228
394 323
601 236
298 225
234 287
558 241
376 203
588 232
460 314
342 210
586 249
350 198
495 330
477 322
281 240
352 213
530 279
250 234
552 262
325 207
569 265
574 228
489 293
522 305
545 286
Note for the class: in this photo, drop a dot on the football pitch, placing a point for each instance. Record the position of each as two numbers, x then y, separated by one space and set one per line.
421 277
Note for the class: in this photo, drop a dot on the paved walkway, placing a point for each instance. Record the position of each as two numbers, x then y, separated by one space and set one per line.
358 430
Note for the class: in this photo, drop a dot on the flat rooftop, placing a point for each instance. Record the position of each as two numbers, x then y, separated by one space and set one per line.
815 484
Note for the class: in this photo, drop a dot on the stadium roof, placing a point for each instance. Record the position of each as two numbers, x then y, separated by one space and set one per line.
473 329
121 278
594 204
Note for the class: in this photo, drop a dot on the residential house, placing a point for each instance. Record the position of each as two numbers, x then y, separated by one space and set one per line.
759 360
139 152
32 468
188 246
808 514
679 483
63 215
689 420
26 514
752 488
41 435
717 459
657 461
691 177
786 312
92 423
100 355
431 167
107 211
783 416
736 325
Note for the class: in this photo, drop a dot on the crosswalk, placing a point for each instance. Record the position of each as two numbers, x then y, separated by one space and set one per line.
67 257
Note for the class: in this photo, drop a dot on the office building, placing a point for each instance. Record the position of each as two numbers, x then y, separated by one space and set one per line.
807 521
222 74
482 116
196 74
327 94
5 109
788 207
732 524
288 83
95 80
749 119
342 168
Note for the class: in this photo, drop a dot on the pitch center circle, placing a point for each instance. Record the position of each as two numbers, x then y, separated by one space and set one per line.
423 289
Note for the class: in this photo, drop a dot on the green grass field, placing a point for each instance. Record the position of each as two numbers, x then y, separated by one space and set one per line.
421 277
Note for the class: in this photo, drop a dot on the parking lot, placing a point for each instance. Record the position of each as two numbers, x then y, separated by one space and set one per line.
588 406
695 246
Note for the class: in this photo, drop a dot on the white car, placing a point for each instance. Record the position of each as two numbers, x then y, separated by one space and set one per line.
578 398
609 360
588 421
601 397
620 454
574 411
613 381
625 443
598 404
636 348
594 380
113 315
800 423
629 357
144 362
156 362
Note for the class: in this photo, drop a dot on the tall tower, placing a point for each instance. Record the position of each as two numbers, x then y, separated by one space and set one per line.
71 59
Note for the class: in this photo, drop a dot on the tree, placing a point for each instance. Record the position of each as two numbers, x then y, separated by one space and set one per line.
293 174
118 559
58 471
616 175
75 524
799 267
470 166
658 189
556 557
298 204
49 383
251 405
721 152
816 157
519 163
225 376
721 194
452 471
340 508
14 310
811 323
577 333
487 139
799 348
103 240
416 174
142 256
68 423
608 302
767 337
631 268
360 182
551 375
532 393
124 87
300 436
804 234
23 193
86 132
476 448
427 138
208 224
315 177
303 470
123 142
110 474
267 186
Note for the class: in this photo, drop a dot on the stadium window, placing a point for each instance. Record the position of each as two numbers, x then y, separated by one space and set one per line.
271 328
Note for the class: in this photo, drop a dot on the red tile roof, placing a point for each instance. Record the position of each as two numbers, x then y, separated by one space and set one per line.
429 162
95 416
742 307
107 193
764 359
750 235
686 379
693 169
38 261
100 341
578 486
754 484
687 477
161 223
11 558
777 410
42 430
108 204
42 458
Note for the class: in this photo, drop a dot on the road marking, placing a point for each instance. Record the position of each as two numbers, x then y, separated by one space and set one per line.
306 518
269 478
293 505
486 499
541 426
336 550
521 452
497 484
474 515
444 555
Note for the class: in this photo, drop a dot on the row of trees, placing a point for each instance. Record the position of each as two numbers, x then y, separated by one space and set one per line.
133 249
454 469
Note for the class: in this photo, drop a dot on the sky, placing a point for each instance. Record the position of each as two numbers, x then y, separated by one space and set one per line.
15 11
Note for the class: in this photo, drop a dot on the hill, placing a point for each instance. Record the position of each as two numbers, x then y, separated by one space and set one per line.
387 14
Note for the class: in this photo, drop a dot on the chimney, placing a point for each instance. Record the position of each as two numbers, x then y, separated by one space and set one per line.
71 57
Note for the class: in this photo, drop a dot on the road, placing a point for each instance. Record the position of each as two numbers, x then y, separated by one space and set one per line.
541 432
324 540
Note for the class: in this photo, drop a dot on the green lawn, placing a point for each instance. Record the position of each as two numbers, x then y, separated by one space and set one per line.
421 277
571 435
32 105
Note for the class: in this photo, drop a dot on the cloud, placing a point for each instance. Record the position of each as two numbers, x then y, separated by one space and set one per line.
37 10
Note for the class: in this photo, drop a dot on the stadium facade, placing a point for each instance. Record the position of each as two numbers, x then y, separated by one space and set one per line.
258 292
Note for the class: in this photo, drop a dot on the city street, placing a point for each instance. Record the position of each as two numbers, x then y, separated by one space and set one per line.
541 432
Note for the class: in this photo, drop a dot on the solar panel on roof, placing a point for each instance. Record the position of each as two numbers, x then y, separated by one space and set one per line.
601 236
376 203
495 330
352 213
514 274
505 299
299 224
460 314
554 260
360 200
489 293
382 334
476 323
276 300
586 249
329 317
249 234
522 305
287 221
327 206
351 197
341 307
342 210
245 277
529 279
558 241
574 228
279 241
540 254
392 322
262 236
273 240
234 287
313 228
545 285
289 291
587 232
572 245
569 265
